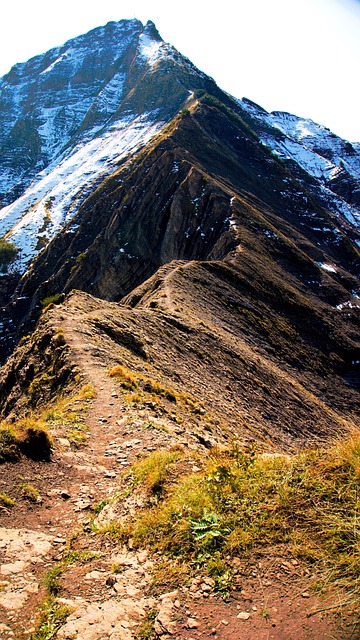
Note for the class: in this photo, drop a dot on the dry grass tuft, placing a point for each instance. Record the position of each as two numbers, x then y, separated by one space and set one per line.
27 436
240 501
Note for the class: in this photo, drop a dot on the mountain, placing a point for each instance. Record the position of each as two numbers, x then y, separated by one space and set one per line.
179 282
256 198
72 115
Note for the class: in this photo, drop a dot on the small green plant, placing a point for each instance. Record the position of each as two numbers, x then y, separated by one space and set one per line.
8 253
78 261
146 630
51 415
56 298
77 435
9 449
81 257
52 579
6 501
99 506
116 568
81 557
30 493
53 616
208 529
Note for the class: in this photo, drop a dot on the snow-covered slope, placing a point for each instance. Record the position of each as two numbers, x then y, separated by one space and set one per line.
333 163
68 117
56 193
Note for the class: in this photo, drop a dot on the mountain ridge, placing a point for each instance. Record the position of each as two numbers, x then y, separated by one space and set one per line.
205 187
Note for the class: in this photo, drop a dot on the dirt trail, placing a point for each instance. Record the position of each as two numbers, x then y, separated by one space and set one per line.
270 597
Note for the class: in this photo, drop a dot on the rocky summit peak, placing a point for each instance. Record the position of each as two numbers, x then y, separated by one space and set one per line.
151 30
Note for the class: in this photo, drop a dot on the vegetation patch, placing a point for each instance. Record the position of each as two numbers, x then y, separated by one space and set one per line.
70 414
30 493
26 436
53 616
8 253
56 298
240 502
146 630
142 389
31 436
151 472
6 501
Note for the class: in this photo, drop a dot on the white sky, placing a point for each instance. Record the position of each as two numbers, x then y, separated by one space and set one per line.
301 56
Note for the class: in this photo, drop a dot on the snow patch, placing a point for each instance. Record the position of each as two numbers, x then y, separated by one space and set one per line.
326 267
149 48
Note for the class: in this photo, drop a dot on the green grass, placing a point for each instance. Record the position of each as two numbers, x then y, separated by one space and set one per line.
146 630
140 388
241 502
152 471
6 501
70 413
9 449
30 493
52 617
56 298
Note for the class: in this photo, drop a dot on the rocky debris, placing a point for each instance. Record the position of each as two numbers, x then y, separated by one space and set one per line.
23 552
191 623
5 631
22 545
243 615
108 620
165 622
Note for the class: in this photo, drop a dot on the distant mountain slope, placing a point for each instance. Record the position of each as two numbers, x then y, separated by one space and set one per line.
333 163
